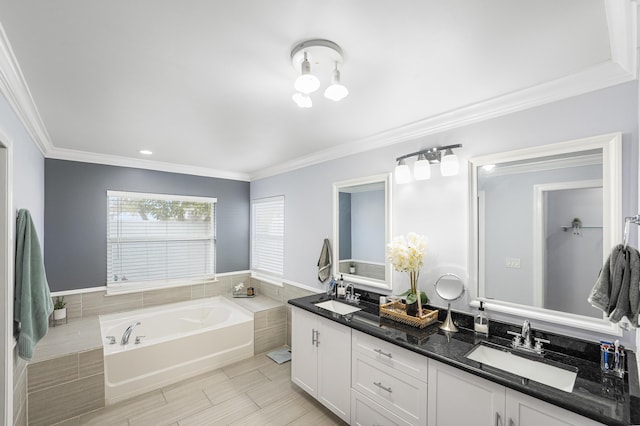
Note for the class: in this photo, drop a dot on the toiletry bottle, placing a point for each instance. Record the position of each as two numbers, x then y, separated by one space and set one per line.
342 291
481 323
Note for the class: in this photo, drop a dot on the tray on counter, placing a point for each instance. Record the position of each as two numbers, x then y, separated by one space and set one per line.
396 311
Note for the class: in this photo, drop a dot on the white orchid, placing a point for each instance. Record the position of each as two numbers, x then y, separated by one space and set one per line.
406 254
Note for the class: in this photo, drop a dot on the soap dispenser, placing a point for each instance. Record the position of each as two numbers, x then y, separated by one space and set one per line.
481 323
342 290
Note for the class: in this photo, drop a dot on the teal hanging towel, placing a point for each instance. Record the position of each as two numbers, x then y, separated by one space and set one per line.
32 300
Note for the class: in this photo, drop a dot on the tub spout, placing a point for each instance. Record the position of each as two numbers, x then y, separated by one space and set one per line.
127 333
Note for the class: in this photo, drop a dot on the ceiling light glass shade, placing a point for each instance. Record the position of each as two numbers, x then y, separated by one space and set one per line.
336 92
303 101
422 168
402 173
306 83
449 164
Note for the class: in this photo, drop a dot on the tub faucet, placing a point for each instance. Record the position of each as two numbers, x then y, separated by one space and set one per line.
127 333
526 334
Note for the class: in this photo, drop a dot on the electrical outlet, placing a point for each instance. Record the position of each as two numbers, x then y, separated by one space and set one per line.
512 262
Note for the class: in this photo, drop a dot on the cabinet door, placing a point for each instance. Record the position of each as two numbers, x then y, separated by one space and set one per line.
458 398
523 410
304 351
334 367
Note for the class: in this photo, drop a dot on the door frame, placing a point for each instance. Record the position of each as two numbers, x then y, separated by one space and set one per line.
540 229
7 232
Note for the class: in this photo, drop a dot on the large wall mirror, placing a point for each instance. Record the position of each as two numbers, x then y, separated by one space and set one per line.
362 230
544 220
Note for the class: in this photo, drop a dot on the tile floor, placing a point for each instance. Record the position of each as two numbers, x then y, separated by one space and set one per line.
256 391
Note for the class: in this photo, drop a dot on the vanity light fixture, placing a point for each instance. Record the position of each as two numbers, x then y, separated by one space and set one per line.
402 172
321 57
422 168
449 165
145 152
443 155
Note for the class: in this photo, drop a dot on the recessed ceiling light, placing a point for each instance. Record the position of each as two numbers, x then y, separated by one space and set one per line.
145 152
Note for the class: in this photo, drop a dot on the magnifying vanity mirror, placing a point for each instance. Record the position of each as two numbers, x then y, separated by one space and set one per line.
450 288
543 221
362 230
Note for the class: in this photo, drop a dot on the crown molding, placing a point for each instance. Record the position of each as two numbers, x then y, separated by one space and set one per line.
622 21
595 78
137 163
14 88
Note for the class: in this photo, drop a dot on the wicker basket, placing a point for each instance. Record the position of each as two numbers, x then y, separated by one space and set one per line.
396 311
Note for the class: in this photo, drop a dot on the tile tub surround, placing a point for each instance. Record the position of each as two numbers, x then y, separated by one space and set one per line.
75 347
66 376
605 399
92 303
269 322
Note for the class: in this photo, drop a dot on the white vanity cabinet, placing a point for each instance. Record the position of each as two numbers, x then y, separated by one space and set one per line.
321 360
458 398
389 383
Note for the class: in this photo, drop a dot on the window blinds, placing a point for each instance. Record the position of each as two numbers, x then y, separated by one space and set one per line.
267 236
154 237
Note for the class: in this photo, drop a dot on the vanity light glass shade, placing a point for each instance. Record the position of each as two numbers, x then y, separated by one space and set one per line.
336 92
422 168
303 101
402 173
449 165
306 83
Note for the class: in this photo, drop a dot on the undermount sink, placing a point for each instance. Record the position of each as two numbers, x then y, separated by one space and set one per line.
503 359
337 307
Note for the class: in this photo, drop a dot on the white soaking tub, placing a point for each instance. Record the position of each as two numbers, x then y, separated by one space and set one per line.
180 340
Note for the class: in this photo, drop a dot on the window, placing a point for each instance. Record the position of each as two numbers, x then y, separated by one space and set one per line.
159 238
267 236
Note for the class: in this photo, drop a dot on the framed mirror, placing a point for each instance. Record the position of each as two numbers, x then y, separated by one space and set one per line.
543 222
362 230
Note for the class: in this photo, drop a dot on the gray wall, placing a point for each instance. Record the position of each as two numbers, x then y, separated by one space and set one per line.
28 167
28 193
573 258
438 208
508 224
76 222
367 212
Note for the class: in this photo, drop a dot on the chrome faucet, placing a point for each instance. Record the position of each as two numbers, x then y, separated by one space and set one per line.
127 333
349 295
526 334
522 341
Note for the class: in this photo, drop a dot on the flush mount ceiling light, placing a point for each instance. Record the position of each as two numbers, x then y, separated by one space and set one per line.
313 58
448 161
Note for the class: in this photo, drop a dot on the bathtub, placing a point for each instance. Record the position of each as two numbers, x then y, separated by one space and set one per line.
180 340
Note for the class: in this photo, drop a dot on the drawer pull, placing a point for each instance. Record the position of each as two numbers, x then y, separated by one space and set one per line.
379 351
379 384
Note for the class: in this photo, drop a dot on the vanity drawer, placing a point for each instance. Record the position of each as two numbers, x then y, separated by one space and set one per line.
400 393
390 355
365 412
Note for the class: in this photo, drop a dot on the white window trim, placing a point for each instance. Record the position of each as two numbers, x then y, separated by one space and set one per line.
124 287
261 274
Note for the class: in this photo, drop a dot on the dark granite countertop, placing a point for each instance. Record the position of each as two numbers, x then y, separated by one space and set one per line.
604 398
